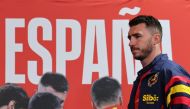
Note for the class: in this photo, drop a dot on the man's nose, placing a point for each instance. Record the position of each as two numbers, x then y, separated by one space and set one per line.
132 42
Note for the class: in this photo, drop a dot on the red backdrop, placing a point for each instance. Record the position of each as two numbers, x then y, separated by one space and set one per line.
89 47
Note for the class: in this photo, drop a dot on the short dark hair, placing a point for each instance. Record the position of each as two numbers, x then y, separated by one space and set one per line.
150 22
105 90
57 81
9 92
44 100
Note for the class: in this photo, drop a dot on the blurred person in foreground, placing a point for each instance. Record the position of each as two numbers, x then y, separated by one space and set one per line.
44 100
54 83
106 94
13 97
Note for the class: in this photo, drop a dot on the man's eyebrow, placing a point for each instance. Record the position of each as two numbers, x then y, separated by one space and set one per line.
61 101
135 34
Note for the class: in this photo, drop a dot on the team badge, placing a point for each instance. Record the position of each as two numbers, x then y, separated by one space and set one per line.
153 79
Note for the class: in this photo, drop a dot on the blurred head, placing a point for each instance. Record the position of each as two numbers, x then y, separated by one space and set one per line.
44 101
13 97
106 92
54 83
145 36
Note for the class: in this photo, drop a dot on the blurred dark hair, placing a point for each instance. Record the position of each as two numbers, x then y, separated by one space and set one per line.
44 101
57 81
105 90
151 22
9 92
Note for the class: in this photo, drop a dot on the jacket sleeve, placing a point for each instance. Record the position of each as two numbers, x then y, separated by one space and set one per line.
177 88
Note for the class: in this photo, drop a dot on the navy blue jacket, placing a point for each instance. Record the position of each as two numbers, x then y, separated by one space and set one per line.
162 84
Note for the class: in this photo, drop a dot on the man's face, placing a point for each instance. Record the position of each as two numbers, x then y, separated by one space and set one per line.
140 41
61 96
10 105
4 107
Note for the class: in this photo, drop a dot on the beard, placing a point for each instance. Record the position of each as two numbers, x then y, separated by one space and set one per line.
144 52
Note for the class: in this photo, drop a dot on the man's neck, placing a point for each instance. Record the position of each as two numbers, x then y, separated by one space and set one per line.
150 58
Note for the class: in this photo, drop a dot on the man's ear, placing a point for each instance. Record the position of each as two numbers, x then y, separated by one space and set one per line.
93 105
11 104
156 39
65 94
120 100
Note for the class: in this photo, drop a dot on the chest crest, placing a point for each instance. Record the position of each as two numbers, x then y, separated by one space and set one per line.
153 79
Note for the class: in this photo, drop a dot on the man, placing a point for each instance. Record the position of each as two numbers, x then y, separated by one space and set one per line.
161 84
13 97
44 101
54 83
106 93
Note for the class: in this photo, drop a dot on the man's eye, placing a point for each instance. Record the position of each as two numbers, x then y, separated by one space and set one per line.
61 101
129 37
137 36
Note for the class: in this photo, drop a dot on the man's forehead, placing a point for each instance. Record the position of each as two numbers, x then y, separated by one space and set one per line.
137 29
